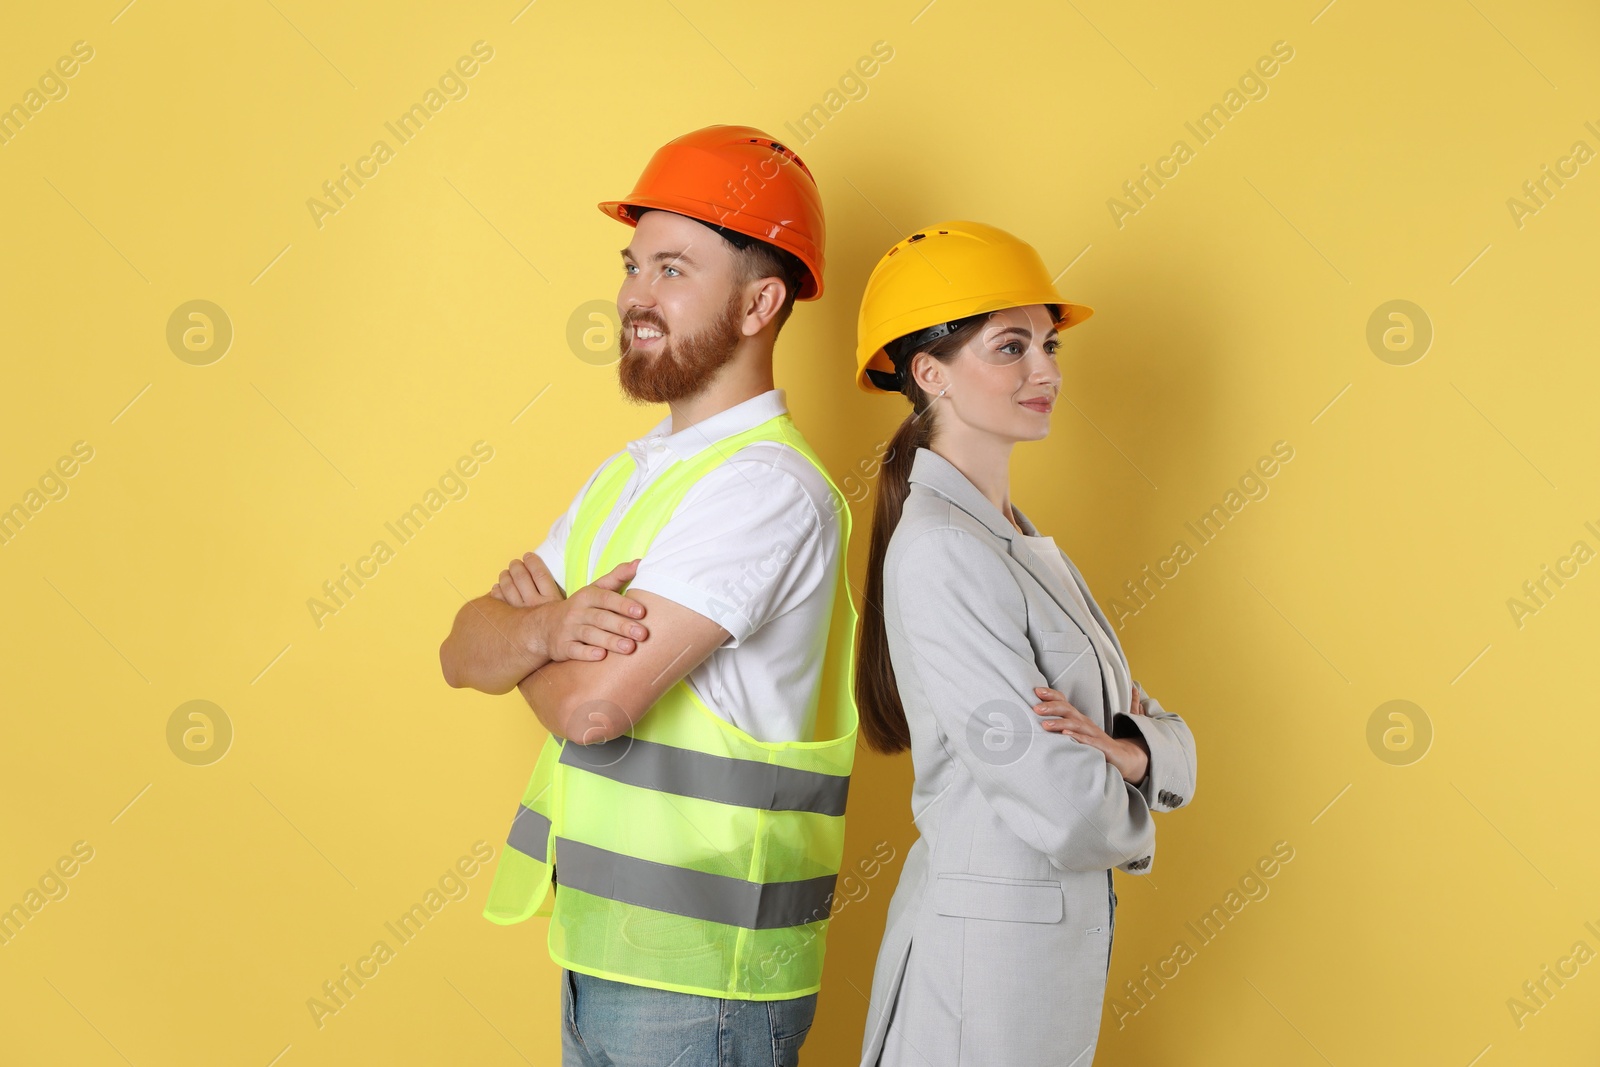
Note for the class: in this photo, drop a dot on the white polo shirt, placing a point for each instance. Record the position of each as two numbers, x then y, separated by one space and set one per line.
754 546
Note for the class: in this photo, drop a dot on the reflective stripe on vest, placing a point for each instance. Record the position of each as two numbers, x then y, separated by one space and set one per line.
530 833
690 856
715 898
700 774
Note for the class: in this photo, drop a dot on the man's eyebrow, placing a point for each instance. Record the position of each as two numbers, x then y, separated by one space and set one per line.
675 257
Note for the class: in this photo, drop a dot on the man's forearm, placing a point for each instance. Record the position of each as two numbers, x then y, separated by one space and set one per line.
563 704
491 647
545 700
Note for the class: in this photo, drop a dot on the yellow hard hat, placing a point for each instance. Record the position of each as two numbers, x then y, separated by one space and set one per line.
941 273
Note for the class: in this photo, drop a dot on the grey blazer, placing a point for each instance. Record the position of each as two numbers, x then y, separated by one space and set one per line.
998 938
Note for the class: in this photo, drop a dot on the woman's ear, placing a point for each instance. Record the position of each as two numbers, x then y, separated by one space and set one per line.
929 374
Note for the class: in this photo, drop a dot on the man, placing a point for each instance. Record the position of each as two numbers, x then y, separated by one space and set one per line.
689 804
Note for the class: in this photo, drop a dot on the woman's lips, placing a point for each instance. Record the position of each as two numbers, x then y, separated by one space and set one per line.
1040 405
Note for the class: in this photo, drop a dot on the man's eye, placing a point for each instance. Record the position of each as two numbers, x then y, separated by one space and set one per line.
675 271
629 268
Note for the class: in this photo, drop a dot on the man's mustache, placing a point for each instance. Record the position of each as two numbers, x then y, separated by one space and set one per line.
642 320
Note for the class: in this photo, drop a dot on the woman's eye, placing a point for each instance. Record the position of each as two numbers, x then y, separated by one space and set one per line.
1052 348
1012 347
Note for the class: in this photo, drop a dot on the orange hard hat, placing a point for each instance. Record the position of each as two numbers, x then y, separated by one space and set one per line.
740 179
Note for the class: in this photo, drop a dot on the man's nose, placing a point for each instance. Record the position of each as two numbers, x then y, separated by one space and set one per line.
635 293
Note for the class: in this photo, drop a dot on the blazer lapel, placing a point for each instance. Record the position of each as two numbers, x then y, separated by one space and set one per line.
1105 623
1076 612
1024 554
943 477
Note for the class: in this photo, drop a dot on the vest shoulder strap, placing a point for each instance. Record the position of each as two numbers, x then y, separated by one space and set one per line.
654 508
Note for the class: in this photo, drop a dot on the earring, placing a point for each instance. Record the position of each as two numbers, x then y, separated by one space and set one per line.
942 392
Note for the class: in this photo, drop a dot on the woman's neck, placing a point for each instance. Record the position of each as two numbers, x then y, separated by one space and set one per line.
985 460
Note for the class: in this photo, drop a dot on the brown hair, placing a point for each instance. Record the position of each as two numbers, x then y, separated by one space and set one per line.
882 716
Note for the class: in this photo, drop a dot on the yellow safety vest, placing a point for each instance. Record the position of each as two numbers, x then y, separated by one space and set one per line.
688 855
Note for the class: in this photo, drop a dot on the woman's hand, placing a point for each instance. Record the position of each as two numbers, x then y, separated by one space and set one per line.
1129 757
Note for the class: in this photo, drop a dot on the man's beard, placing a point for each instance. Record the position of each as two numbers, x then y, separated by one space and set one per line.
680 368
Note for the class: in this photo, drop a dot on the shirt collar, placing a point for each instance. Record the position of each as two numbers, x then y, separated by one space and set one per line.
686 443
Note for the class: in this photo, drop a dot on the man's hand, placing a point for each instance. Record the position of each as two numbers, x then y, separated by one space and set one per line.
596 619
526 621
589 700
600 617
526 583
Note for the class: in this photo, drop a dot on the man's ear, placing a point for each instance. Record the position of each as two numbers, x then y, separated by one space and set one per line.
763 302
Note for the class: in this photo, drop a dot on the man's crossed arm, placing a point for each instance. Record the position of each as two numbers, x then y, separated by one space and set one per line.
574 659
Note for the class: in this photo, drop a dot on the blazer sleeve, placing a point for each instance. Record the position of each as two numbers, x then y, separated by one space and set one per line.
963 619
1169 782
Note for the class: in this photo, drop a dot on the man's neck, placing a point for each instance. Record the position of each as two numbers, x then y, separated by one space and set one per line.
739 380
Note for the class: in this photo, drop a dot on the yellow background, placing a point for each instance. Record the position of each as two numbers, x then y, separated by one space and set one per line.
432 310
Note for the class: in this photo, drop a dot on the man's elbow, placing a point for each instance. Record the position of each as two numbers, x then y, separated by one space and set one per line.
590 717
447 666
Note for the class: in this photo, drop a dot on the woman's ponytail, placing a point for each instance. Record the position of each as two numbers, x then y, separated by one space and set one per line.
882 716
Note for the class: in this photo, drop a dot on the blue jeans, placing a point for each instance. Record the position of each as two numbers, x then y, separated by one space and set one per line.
614 1024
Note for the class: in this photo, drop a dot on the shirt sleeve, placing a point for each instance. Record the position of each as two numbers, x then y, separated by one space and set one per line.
751 540
553 551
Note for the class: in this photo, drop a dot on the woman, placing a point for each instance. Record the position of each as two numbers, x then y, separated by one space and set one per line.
983 652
